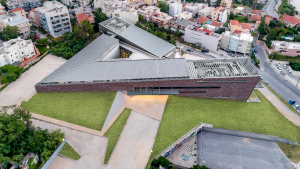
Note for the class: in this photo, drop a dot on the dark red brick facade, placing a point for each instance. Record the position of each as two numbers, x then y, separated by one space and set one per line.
236 88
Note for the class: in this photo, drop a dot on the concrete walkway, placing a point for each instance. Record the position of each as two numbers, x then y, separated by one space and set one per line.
90 147
135 143
289 114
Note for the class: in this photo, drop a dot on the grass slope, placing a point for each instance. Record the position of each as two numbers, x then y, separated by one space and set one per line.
114 132
291 151
87 109
68 151
183 113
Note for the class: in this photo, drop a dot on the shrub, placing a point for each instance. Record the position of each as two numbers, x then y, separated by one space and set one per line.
161 161
295 65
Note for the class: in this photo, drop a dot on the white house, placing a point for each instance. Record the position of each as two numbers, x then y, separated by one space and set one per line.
205 37
16 50
175 8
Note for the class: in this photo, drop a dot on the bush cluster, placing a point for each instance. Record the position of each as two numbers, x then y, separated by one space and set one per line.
10 73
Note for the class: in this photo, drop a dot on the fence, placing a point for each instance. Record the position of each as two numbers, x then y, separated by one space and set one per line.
53 156
183 139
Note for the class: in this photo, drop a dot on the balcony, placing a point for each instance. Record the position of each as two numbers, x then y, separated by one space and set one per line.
66 24
65 15
55 23
65 20
56 27
42 16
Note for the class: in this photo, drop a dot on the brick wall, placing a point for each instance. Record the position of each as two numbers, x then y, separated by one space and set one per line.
229 87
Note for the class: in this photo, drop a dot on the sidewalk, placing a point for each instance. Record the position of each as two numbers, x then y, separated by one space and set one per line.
289 114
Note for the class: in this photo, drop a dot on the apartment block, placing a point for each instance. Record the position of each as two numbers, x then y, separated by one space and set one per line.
2 10
148 11
34 17
175 8
26 4
226 4
162 19
136 4
206 21
184 15
127 14
287 48
290 21
14 19
17 51
236 25
55 18
219 14
205 12
19 11
194 7
205 37
236 41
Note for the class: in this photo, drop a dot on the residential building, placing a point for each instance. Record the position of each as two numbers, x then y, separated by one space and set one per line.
236 41
212 2
82 17
291 49
136 5
257 23
255 17
180 25
14 19
175 8
219 14
55 18
205 12
103 4
184 15
148 11
238 10
207 38
26 4
2 10
206 21
236 25
290 21
127 62
127 14
34 17
246 11
17 52
268 19
194 7
226 4
24 164
80 3
162 19
85 10
19 11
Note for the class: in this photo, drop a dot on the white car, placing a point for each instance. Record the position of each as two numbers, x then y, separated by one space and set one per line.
284 66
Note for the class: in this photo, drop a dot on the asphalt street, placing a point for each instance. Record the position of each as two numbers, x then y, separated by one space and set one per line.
276 81
270 8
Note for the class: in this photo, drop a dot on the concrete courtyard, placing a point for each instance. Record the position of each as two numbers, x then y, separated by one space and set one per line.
24 86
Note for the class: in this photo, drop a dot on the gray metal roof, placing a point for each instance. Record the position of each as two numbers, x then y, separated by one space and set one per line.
95 51
221 68
183 22
147 41
124 70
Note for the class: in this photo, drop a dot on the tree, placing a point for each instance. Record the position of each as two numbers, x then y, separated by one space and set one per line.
43 41
9 32
262 28
99 17
84 30
220 30
297 38
208 2
271 35
218 3
32 31
254 34
177 33
163 6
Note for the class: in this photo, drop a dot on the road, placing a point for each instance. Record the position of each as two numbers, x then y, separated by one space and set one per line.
270 8
280 85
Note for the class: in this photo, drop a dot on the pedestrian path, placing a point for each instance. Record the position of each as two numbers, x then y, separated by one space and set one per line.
288 113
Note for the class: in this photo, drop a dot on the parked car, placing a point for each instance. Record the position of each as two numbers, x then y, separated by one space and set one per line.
255 51
266 82
284 66
205 50
189 50
291 102
261 78
289 71
296 106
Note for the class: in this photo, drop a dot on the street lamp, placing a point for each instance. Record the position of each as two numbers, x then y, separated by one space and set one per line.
47 47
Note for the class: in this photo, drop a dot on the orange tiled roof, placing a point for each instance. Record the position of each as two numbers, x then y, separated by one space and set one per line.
255 17
237 31
256 11
222 10
234 22
291 19
201 20
246 26
268 20
183 5
215 23
17 9
217 8
32 10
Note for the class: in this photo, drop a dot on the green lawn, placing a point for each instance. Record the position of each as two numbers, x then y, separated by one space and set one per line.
41 48
252 94
87 109
68 151
291 151
114 132
184 113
